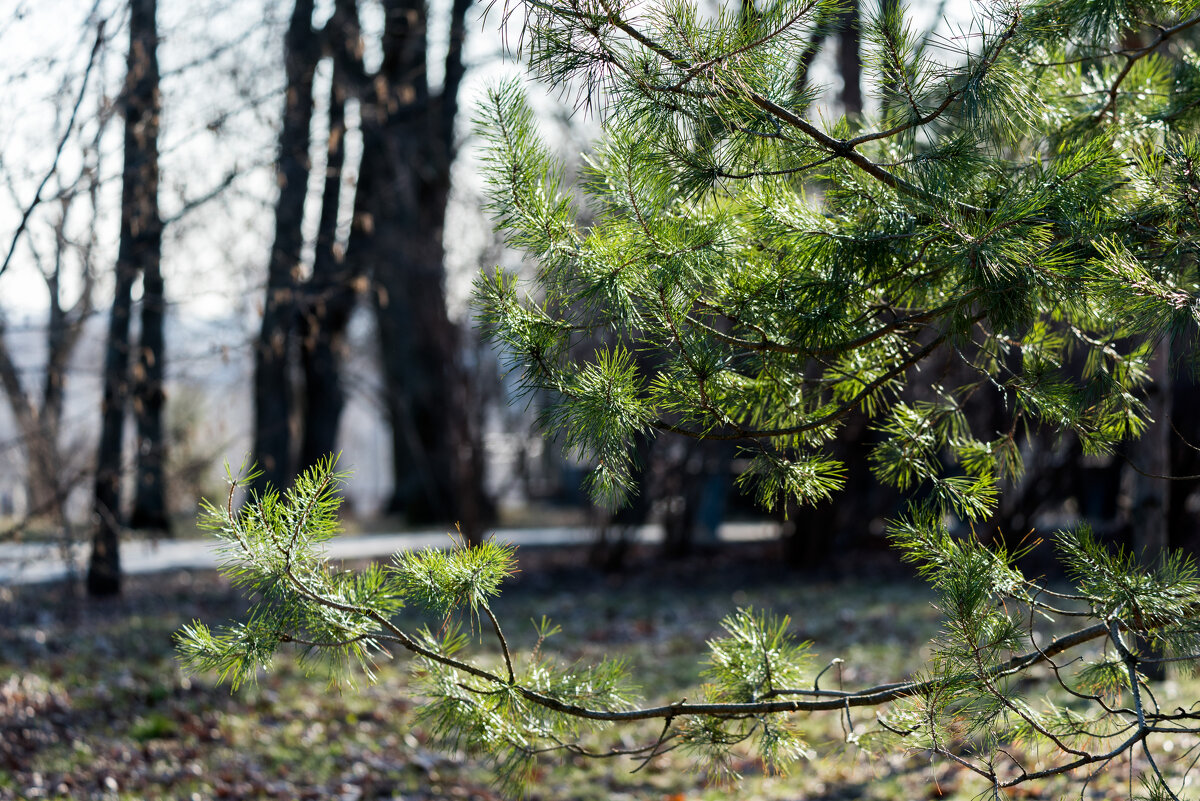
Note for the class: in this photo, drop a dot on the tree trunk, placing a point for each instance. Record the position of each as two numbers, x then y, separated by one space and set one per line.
1151 453
149 397
1150 491
64 328
417 341
408 147
850 60
272 379
140 244
39 425
39 464
329 299
849 57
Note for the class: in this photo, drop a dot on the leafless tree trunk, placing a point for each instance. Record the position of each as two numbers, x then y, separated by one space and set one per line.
849 57
1150 491
329 296
395 247
39 416
273 404
140 244
149 397
1151 454
408 135
849 60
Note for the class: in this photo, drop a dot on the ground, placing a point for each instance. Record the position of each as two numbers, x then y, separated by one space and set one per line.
95 705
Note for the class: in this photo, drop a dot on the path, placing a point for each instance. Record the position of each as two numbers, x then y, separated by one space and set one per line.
33 563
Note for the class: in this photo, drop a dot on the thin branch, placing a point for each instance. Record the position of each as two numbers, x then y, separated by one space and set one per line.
1156 476
1136 55
508 662
212 194
58 151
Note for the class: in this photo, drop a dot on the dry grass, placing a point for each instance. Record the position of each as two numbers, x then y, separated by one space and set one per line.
95 705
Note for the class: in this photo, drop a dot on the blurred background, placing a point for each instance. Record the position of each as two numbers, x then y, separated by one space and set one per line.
247 230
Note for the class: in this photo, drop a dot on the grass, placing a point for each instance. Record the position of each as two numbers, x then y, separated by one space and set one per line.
95 705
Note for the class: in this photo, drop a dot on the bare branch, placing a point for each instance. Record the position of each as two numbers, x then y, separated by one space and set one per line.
58 151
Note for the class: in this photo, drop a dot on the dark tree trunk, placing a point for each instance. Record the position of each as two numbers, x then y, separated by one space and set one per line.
417 341
850 60
804 63
408 148
396 239
1150 495
140 244
813 535
329 298
149 396
1151 454
272 379
1183 519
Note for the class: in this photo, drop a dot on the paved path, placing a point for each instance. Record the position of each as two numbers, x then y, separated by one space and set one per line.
36 563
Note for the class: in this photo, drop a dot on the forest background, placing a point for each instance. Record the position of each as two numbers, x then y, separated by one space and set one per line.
251 229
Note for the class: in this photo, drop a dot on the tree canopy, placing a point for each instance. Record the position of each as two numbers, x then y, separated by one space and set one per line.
1022 204
1016 218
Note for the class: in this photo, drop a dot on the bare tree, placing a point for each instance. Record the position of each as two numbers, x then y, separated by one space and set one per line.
139 252
272 382
330 294
395 246
38 414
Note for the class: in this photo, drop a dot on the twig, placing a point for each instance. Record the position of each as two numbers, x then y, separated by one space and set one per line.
196 202
508 662
58 151
1134 56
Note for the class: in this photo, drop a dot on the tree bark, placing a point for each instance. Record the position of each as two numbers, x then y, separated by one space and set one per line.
1150 495
417 341
1151 453
31 424
849 57
140 244
273 404
396 242
329 298
149 398
850 60
39 420
408 148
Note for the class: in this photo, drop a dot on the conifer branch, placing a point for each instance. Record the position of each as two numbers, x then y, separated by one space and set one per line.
1132 57
758 658
732 270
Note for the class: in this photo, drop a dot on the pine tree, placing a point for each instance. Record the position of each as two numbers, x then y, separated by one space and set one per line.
1023 202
